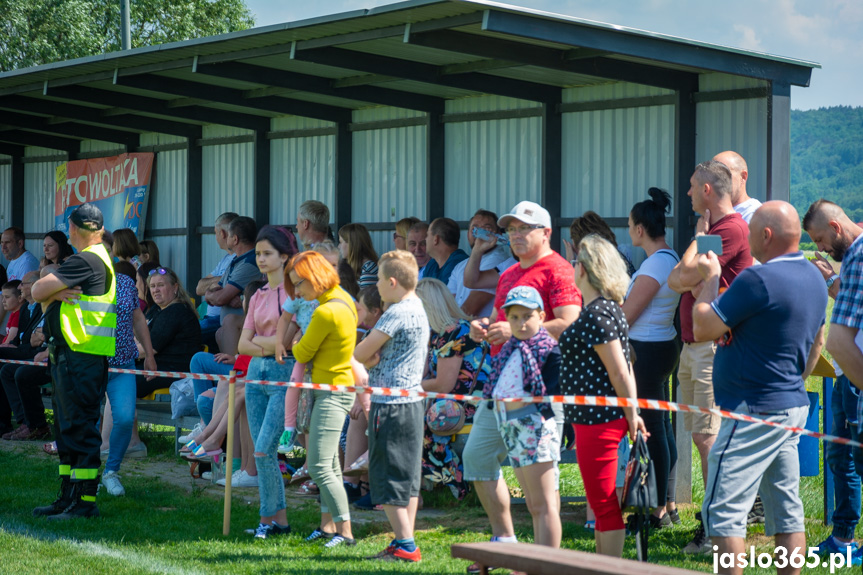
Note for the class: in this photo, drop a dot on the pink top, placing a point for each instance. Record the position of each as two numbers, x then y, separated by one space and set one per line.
264 310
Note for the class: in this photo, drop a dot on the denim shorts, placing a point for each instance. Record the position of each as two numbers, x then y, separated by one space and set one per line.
529 437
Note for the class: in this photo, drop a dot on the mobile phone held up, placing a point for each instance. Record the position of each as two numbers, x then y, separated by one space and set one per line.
709 243
485 235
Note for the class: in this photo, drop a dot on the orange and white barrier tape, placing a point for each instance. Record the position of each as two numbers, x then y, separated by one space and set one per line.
564 399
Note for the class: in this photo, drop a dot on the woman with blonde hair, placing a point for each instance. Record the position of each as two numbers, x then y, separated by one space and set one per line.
355 246
456 364
596 361
400 236
328 344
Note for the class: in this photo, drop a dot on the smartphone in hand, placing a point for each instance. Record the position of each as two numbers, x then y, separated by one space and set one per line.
709 243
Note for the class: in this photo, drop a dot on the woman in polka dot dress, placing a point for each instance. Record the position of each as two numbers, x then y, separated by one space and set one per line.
595 360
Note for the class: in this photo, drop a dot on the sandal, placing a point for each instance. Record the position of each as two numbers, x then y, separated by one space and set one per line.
309 489
50 448
189 447
358 467
301 474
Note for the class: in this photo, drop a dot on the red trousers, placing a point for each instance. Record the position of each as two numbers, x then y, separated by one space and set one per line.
596 446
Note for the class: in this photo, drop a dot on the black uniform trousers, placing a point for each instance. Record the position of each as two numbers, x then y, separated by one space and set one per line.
22 384
80 380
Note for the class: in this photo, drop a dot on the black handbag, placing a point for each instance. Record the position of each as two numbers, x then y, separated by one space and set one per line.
639 492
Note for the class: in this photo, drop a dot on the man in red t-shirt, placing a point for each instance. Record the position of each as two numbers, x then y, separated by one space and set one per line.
711 191
528 226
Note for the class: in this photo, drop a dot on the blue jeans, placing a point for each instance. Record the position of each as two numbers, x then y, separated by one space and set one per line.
842 459
203 362
265 407
121 395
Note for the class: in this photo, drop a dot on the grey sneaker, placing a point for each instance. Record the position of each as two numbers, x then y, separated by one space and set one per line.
700 544
111 482
196 431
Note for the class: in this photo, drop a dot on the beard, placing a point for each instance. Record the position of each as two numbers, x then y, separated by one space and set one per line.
839 249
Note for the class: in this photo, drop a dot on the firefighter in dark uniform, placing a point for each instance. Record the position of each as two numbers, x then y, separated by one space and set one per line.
79 324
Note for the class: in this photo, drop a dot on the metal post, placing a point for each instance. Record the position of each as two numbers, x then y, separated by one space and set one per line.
125 26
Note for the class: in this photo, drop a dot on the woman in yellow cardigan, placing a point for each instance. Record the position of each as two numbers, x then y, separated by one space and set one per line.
328 344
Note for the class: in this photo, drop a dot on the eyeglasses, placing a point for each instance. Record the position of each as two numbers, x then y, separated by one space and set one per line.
160 271
397 235
523 230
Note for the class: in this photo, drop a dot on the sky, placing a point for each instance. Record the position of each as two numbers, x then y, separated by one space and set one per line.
829 32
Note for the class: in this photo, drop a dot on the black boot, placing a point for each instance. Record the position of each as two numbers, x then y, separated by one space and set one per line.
64 499
84 503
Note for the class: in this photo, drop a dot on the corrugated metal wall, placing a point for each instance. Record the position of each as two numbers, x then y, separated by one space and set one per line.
491 164
389 175
739 125
40 180
168 206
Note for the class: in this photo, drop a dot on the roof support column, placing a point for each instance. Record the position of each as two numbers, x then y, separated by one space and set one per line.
18 191
684 164
779 142
194 207
344 176
551 169
262 178
435 167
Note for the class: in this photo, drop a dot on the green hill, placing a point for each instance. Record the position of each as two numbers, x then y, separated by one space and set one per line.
827 158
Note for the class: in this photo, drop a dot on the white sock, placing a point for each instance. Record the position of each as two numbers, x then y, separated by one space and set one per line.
841 544
511 539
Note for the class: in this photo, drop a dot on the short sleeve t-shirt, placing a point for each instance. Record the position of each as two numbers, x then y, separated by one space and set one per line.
734 259
265 307
444 272
456 285
22 265
552 276
656 322
240 272
83 269
582 371
14 320
219 271
302 310
772 330
747 209
368 274
403 356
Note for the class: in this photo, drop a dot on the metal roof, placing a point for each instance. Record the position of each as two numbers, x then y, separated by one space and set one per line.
413 55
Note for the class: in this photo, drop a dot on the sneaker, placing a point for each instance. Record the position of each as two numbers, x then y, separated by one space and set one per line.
234 477
756 514
354 492
136 451
196 431
241 479
674 516
8 435
830 546
857 556
318 534
364 503
396 553
287 441
272 530
20 434
476 568
112 484
337 540
39 433
208 475
700 544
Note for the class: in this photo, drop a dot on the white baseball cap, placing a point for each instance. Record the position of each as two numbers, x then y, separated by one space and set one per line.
529 213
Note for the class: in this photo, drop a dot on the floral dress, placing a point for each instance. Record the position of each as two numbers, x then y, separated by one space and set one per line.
441 464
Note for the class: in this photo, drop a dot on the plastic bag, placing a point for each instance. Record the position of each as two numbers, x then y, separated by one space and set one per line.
183 398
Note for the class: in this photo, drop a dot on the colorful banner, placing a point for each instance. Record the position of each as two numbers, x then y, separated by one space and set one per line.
119 186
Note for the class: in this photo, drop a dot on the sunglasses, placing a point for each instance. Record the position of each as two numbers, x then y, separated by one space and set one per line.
160 271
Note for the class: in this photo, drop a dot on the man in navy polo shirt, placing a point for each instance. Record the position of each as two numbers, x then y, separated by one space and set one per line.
770 339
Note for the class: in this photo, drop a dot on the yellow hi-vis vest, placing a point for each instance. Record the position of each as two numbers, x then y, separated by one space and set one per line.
89 325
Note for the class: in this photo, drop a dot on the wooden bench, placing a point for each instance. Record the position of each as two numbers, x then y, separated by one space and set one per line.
540 560
155 412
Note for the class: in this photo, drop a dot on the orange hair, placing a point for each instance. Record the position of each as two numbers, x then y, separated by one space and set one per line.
315 269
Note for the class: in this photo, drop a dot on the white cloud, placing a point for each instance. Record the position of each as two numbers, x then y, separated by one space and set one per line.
748 38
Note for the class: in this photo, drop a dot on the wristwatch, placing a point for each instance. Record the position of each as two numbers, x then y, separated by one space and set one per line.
831 281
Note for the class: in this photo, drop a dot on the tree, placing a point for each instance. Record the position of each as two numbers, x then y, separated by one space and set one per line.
34 32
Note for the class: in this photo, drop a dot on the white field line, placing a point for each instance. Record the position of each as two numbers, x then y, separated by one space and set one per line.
144 562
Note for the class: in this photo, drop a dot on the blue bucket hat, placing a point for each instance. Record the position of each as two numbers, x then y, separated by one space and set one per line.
524 296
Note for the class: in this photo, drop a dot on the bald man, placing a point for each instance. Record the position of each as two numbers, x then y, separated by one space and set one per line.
740 200
770 339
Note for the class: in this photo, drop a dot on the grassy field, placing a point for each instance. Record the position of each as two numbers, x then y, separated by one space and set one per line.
164 526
